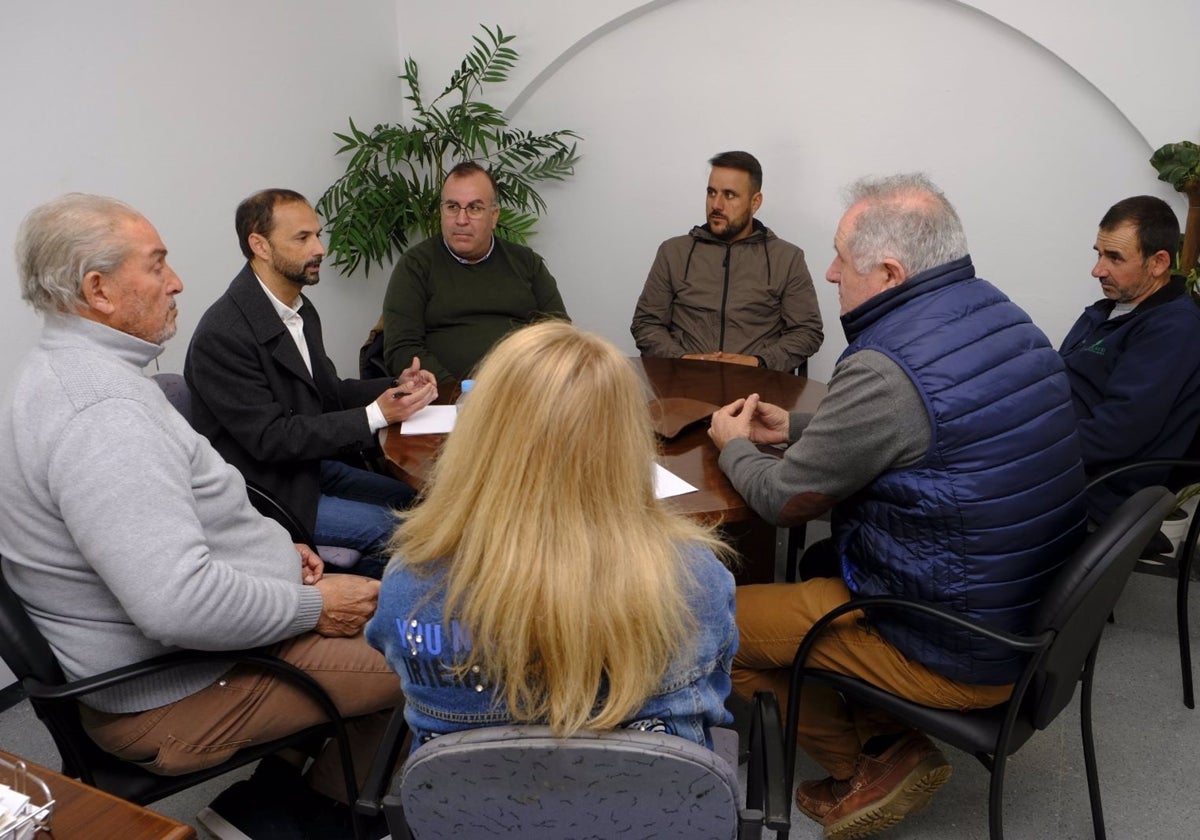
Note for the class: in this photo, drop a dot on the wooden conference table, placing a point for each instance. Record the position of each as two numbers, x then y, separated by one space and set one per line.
690 455
82 812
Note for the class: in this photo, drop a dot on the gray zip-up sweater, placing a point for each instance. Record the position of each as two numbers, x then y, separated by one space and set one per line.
123 532
872 420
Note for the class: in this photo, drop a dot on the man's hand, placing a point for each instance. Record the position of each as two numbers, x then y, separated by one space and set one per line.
312 567
348 601
721 356
749 418
399 403
731 421
413 378
770 423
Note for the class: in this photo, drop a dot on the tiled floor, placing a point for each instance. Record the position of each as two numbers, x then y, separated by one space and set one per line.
1148 745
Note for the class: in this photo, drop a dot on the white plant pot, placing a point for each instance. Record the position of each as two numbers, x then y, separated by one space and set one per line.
1176 529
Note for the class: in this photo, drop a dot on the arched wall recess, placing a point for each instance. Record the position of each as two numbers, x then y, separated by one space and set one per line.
1029 150
632 15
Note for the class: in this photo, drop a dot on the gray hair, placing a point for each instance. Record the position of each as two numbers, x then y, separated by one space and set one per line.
906 217
62 240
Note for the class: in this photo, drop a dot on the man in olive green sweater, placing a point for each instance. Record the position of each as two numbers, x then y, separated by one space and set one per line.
452 297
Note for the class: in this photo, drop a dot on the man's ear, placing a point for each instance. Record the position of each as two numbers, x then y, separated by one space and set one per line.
755 203
1159 263
259 246
896 273
95 288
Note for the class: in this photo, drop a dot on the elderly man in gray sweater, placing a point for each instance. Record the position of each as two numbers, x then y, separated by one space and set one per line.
126 536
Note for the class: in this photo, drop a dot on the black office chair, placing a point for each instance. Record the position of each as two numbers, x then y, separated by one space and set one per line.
55 700
266 503
370 355
1061 644
1179 565
523 782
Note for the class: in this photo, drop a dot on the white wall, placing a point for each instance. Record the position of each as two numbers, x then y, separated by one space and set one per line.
1034 115
182 109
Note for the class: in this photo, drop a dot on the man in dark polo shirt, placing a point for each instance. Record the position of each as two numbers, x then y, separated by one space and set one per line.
1133 356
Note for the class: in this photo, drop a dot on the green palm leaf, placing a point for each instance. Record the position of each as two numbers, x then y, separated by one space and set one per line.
391 188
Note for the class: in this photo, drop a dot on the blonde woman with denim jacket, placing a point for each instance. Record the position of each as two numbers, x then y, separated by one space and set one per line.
540 580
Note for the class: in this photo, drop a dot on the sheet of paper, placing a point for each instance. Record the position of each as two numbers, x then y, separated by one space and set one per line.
430 420
667 484
439 419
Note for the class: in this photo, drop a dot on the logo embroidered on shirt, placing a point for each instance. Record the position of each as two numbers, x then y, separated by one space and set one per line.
1097 348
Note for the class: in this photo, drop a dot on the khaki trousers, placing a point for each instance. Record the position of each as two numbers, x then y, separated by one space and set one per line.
248 706
773 619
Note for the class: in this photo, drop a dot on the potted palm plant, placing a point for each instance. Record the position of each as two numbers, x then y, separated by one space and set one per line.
390 190
1179 165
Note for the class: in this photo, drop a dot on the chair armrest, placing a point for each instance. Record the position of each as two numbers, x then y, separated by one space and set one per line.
264 502
384 765
767 790
1138 465
1029 644
259 658
67 692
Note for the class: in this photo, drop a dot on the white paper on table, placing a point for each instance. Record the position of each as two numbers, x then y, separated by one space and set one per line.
439 419
430 420
667 484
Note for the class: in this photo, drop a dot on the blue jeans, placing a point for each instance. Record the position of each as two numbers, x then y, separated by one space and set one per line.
357 510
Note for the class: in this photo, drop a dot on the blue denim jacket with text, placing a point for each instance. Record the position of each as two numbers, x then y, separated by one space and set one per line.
422 645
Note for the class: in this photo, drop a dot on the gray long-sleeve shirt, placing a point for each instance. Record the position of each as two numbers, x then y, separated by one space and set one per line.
123 532
872 420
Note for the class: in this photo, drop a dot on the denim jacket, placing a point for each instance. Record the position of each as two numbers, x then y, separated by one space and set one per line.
422 644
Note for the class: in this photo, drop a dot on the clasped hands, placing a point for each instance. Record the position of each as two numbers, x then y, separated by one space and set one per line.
751 418
347 601
414 389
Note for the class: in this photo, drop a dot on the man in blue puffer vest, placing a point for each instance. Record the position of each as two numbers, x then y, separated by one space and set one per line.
947 454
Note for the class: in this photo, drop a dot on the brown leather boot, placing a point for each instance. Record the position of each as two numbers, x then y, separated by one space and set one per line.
816 798
888 787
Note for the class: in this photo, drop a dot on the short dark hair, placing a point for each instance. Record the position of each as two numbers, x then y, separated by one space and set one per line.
743 161
256 214
469 167
1156 223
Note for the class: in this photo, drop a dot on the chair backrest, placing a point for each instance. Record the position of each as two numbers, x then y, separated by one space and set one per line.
523 781
22 646
370 355
1181 476
29 656
174 386
1082 596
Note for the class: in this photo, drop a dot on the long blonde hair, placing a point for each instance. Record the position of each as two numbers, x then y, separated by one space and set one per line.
568 573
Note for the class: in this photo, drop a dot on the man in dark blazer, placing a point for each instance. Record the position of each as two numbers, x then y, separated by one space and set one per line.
270 400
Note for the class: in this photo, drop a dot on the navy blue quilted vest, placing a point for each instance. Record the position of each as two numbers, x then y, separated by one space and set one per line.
982 524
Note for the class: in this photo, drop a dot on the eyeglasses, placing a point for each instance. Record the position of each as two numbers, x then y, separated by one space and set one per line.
474 210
